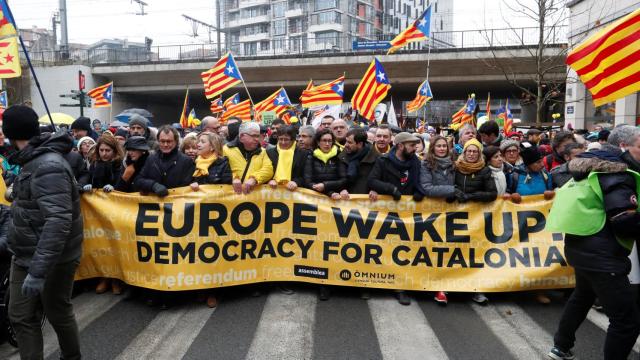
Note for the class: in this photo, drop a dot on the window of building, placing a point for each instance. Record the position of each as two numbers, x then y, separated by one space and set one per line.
279 27
251 48
327 37
328 17
604 114
254 11
264 45
441 27
279 44
435 7
278 9
326 4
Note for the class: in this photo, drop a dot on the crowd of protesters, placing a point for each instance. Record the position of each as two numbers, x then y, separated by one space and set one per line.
336 158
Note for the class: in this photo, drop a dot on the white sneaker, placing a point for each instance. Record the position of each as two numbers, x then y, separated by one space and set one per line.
480 298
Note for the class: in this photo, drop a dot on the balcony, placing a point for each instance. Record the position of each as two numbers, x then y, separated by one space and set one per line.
294 12
325 27
250 3
254 37
249 21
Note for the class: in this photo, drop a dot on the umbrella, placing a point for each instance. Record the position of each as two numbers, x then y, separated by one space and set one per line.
118 123
126 114
58 118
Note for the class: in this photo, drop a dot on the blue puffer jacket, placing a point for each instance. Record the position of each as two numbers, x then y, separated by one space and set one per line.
524 182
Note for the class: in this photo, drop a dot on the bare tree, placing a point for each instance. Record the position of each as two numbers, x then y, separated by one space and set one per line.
547 52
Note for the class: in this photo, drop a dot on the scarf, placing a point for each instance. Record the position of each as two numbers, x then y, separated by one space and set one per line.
384 152
285 164
499 178
325 157
412 166
468 168
353 165
202 165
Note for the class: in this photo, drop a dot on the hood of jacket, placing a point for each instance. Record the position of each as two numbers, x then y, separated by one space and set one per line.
59 142
581 167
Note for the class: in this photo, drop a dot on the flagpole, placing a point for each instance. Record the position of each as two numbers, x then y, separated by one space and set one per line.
33 72
244 84
111 106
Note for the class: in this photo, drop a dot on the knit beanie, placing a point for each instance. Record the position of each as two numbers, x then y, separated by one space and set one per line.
473 141
20 122
136 119
507 144
83 139
529 153
81 123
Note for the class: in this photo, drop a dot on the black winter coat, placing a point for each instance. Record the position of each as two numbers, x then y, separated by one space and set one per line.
478 186
333 174
79 167
128 186
360 184
385 177
601 251
299 160
219 173
172 170
47 222
104 173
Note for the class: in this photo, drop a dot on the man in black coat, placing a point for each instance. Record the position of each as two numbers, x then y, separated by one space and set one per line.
166 169
359 157
45 235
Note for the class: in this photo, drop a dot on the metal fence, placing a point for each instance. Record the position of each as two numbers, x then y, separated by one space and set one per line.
300 46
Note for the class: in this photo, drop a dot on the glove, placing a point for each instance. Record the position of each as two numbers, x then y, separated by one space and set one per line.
397 195
417 197
8 195
461 196
32 286
107 188
160 190
87 188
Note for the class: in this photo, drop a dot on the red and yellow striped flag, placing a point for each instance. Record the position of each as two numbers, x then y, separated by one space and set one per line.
241 110
222 76
373 87
608 62
102 95
324 94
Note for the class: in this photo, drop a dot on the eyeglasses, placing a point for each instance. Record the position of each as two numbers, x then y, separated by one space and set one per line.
326 141
255 136
166 142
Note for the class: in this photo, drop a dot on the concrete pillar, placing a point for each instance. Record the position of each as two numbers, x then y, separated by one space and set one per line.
626 110
574 110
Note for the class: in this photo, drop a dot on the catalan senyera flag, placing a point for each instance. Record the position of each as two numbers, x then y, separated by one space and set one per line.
216 106
278 102
102 95
608 62
222 76
7 25
237 108
9 59
373 87
422 96
418 31
465 114
184 115
330 93
506 117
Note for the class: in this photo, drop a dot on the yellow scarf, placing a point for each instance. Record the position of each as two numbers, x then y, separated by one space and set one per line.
202 165
285 164
318 154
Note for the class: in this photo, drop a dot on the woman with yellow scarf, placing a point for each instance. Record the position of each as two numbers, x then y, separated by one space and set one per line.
211 166
324 172
287 160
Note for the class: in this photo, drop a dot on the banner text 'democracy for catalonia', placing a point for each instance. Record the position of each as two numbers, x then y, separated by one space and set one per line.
216 238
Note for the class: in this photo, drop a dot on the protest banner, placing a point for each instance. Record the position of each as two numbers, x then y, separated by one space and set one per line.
215 238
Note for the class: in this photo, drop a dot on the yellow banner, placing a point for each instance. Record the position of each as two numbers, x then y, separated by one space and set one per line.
214 238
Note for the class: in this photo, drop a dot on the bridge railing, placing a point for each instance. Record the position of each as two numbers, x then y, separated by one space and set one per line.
301 46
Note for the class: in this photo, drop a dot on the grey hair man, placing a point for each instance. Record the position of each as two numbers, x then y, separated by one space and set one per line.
305 137
249 163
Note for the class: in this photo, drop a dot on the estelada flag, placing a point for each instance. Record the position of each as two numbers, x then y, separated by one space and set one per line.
216 106
278 102
373 87
418 31
465 114
222 76
7 25
608 62
422 96
9 60
102 95
184 115
239 109
330 93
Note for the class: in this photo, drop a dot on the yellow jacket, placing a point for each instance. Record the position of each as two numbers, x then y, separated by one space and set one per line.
260 166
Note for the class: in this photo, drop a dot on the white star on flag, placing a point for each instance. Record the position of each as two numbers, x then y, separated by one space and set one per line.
230 69
423 22
280 99
341 87
381 76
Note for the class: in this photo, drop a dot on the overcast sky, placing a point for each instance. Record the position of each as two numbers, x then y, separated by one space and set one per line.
92 20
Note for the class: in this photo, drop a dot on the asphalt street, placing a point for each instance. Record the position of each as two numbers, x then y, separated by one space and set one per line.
299 326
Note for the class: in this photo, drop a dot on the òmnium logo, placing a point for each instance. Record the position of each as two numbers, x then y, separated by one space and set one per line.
345 274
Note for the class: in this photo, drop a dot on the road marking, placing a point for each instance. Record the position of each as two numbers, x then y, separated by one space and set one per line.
602 321
509 331
403 331
535 335
285 330
169 335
